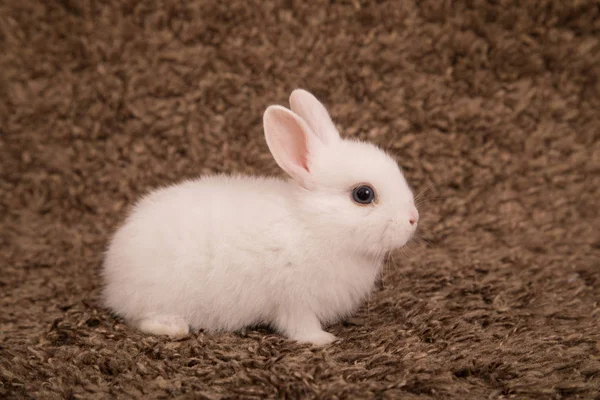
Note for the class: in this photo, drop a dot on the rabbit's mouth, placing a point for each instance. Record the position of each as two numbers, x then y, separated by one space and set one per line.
395 236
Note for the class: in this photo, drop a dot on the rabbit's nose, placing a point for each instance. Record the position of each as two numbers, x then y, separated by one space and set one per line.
414 217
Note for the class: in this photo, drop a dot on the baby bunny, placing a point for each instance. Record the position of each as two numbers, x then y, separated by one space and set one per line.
221 253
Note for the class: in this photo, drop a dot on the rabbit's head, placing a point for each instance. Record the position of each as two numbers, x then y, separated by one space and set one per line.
351 192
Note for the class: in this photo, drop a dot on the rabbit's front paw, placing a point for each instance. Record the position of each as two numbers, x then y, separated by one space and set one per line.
317 338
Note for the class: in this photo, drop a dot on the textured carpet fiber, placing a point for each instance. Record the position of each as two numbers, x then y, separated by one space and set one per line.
496 102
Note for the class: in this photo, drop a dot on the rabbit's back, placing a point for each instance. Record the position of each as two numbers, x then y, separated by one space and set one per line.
198 250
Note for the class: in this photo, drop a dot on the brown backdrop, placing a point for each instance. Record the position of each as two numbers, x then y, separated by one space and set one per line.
498 103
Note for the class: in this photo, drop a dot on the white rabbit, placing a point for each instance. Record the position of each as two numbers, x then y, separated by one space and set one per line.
224 252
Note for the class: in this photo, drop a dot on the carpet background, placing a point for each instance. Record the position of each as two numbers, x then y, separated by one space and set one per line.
497 102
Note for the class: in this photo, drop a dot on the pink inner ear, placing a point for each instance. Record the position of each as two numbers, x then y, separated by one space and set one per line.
303 157
298 151
304 163
290 140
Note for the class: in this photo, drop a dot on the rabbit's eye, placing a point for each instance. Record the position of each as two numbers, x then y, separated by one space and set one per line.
363 194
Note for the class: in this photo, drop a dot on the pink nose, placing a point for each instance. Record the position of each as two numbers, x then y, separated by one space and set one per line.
414 217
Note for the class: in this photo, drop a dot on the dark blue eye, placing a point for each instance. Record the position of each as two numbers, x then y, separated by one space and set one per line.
363 194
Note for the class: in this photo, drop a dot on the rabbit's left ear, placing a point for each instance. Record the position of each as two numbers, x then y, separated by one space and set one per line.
315 114
291 142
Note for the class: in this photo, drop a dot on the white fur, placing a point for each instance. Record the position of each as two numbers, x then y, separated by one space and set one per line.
224 252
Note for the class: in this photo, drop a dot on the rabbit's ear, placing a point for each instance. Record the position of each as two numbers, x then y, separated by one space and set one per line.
290 140
315 114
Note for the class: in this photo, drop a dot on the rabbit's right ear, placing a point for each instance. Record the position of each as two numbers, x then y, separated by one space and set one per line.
290 140
307 106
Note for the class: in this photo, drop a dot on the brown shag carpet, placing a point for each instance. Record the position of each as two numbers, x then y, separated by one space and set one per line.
497 102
